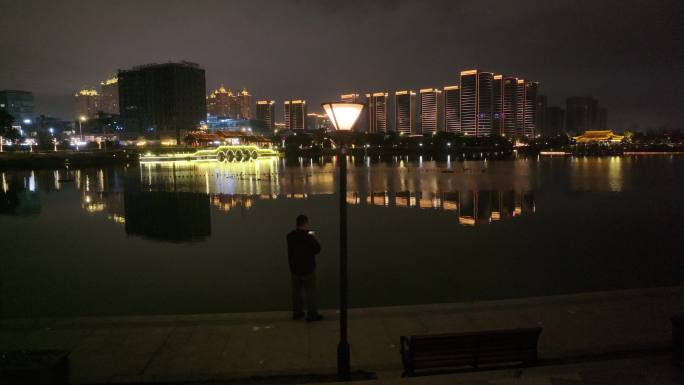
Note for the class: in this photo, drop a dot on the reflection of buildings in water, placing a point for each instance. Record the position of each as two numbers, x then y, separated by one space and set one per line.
226 203
255 177
19 202
227 186
110 203
168 216
471 207
274 176
18 195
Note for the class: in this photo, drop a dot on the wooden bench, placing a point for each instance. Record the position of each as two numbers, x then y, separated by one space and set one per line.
441 353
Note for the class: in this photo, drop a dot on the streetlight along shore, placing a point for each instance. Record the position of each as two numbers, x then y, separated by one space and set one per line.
343 116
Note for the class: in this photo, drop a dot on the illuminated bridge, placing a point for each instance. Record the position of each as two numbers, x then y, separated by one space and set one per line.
227 153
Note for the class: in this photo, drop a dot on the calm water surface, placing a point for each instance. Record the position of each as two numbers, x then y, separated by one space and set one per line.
204 238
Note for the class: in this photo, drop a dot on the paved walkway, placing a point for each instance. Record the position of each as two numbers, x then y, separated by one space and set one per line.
229 346
650 370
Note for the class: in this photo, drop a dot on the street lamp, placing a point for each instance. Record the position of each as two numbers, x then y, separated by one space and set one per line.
343 116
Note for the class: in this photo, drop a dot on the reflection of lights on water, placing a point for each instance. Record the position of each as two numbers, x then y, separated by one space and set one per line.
32 182
100 175
206 181
117 219
466 221
95 207
5 187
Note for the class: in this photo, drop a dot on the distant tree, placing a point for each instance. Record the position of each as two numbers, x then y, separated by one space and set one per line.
6 121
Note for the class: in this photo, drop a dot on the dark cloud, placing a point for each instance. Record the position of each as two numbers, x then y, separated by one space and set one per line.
629 54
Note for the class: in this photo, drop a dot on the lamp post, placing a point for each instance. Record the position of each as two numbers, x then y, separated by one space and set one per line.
343 116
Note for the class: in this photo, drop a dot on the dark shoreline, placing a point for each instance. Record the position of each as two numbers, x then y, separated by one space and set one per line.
38 160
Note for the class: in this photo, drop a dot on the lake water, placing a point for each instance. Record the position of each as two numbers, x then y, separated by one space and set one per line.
210 237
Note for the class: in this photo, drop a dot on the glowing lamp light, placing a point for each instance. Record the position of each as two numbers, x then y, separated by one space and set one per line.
343 115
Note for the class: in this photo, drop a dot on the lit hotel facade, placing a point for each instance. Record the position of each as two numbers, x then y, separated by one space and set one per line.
295 114
87 104
265 112
476 103
430 111
452 109
404 110
350 98
377 112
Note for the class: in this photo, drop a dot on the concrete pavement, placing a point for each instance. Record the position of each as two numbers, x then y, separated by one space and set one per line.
236 346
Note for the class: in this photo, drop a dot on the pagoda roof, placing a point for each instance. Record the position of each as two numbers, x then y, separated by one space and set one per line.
598 136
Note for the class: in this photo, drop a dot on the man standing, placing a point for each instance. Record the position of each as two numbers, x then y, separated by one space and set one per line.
302 248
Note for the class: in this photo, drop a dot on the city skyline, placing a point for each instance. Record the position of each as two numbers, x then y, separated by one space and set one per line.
600 68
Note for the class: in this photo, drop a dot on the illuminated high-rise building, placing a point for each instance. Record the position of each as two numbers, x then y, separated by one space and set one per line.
476 103
265 112
430 115
498 105
318 122
452 109
526 109
220 102
520 107
516 110
377 112
87 104
509 98
245 104
295 114
530 113
484 105
109 100
350 98
404 111
469 102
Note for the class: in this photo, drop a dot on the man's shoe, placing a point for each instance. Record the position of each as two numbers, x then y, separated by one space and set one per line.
297 316
314 318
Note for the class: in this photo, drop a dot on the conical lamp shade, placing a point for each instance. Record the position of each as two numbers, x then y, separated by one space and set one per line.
343 115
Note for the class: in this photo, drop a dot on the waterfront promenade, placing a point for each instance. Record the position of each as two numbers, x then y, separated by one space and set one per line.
580 331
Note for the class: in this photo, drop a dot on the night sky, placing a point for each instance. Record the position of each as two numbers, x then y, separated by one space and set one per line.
628 54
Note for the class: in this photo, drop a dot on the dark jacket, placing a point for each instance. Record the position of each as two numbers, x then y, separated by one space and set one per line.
302 248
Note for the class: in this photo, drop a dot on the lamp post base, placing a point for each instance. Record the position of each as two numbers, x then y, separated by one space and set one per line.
343 360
